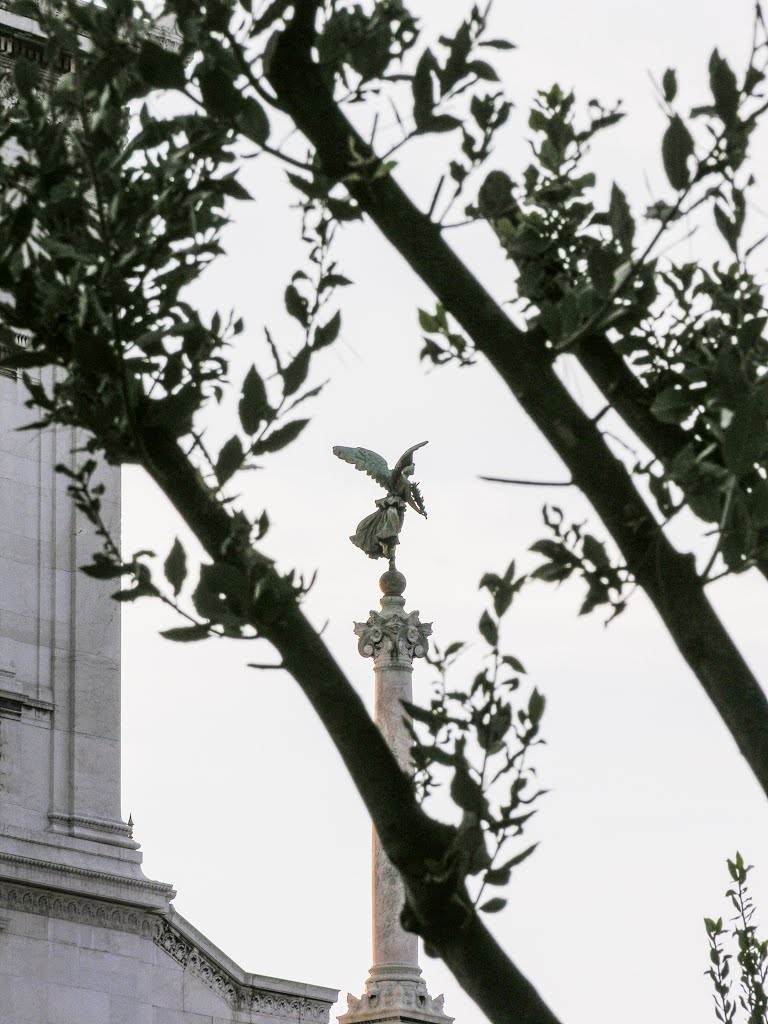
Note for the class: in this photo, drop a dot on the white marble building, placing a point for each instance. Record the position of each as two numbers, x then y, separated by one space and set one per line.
85 937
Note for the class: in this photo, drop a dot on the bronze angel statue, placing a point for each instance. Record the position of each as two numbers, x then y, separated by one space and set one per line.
378 534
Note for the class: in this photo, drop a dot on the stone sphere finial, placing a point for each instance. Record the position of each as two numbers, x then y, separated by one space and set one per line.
392 583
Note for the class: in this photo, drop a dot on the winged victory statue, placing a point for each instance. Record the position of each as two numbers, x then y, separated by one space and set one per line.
378 534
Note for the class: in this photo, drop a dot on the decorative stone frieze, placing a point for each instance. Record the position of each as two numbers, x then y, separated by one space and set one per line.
46 903
237 994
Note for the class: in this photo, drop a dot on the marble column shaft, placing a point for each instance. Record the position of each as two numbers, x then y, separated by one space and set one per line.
391 944
395 991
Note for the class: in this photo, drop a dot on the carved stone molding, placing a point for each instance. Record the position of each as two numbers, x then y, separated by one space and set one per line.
237 994
103 914
162 889
46 903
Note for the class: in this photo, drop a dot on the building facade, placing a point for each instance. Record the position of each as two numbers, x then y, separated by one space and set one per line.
85 937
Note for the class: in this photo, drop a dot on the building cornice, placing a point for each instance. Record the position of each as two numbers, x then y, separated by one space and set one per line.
177 938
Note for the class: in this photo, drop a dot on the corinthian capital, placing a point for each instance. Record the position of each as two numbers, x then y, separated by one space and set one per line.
395 637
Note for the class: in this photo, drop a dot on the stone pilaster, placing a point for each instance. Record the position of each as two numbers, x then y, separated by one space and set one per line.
395 990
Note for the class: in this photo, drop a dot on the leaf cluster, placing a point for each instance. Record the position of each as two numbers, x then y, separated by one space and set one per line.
751 955
474 742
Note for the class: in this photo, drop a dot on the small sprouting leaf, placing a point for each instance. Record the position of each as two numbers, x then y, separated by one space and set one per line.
184 634
493 906
254 409
488 629
175 567
669 84
676 148
230 459
328 332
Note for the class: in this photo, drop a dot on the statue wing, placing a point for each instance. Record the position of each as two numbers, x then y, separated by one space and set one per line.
367 462
406 458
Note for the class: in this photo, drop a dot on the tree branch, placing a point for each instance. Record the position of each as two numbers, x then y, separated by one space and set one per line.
440 911
668 577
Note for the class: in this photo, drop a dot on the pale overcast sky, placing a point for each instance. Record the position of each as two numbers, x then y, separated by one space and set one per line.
237 795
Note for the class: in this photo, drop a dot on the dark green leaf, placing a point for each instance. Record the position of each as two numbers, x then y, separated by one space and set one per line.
725 91
419 713
280 438
183 634
669 84
327 333
220 96
253 122
602 263
676 148
745 439
26 75
493 906
26 9
513 663
673 405
296 305
254 409
466 793
105 570
160 68
295 373
175 567
498 44
423 88
520 857
230 459
535 710
595 552
441 123
483 70
488 629
620 217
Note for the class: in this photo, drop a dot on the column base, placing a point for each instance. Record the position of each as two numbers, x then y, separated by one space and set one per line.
397 994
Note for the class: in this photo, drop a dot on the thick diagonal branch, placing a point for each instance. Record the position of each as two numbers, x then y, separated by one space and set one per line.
415 843
668 577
